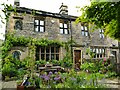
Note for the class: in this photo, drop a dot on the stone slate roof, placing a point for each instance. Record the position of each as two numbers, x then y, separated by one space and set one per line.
44 13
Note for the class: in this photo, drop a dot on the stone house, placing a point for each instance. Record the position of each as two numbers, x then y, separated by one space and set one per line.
61 27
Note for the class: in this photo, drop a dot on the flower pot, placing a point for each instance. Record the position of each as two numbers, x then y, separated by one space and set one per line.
20 87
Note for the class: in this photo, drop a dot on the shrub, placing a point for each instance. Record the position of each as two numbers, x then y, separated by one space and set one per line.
9 70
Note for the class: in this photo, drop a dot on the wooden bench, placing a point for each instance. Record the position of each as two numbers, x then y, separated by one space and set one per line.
49 68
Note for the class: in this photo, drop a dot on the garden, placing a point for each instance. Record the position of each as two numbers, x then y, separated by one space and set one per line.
26 72
87 77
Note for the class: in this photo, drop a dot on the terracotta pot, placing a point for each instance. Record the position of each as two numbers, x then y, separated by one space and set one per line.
20 87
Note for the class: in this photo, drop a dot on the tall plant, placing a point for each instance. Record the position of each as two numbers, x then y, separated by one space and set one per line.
31 56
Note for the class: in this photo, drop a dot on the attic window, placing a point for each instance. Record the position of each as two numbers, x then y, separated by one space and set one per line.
18 25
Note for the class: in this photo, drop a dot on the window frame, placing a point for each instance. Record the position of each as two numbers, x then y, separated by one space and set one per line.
20 23
50 53
39 25
101 33
84 30
14 53
64 26
98 51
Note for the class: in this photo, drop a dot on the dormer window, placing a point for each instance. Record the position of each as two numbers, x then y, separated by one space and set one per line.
18 25
39 25
84 30
64 27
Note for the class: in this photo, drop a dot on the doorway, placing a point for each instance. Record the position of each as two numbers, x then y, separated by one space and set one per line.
77 58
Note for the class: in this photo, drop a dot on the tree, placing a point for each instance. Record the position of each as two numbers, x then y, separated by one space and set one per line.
105 15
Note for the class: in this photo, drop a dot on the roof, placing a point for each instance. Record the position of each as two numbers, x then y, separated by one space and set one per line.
44 13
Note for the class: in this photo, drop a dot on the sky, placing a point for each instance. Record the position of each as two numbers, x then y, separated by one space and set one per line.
46 5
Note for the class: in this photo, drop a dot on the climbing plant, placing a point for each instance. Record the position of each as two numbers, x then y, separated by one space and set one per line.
12 40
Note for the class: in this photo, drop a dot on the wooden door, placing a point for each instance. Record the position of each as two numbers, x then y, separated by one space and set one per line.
77 58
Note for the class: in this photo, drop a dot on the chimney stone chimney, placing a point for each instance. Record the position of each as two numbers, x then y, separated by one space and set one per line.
16 3
63 9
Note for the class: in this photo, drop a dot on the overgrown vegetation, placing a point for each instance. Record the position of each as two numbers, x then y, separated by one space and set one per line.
29 62
103 14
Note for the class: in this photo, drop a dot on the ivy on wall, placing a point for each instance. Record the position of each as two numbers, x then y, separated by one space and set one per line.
12 40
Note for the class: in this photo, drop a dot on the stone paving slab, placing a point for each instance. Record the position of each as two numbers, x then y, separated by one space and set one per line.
9 84
110 83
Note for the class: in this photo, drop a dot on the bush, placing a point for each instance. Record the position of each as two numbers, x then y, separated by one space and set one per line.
90 67
9 70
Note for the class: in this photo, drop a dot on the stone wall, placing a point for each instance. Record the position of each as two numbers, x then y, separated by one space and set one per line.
52 32
23 51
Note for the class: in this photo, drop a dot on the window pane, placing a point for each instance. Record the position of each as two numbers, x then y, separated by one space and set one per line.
57 56
97 55
94 50
66 31
36 22
47 57
82 28
86 33
61 31
41 22
16 55
37 28
41 29
52 49
65 25
100 50
57 50
61 25
102 31
100 55
47 50
85 28
42 50
82 33
97 50
52 57
42 57
103 50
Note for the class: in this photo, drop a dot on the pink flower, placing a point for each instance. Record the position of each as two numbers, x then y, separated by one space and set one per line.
104 59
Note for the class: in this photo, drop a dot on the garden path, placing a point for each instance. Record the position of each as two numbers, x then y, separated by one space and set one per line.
115 83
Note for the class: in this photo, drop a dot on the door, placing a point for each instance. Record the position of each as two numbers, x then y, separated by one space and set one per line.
77 58
115 59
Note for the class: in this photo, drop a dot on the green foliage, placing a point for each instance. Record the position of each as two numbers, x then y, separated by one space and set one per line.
9 67
104 15
88 66
7 11
90 53
99 66
12 40
110 74
41 62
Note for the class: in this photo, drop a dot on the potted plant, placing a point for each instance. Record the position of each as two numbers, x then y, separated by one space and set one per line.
55 62
42 63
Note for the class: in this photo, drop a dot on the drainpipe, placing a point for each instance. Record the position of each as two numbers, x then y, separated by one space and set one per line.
71 37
